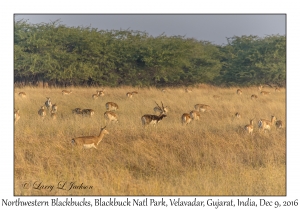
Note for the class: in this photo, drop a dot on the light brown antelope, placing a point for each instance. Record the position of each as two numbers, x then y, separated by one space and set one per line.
77 111
237 115
131 94
95 96
111 106
54 108
266 124
279 124
88 142
16 115
162 110
187 90
101 92
53 115
22 94
249 128
277 89
149 119
239 92
88 112
264 93
111 116
260 87
185 119
254 96
48 103
195 115
202 107
42 112
216 97
66 92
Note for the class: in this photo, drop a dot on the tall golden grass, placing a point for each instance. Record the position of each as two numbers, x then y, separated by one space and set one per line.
212 156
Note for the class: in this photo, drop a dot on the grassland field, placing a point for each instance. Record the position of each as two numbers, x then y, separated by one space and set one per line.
212 156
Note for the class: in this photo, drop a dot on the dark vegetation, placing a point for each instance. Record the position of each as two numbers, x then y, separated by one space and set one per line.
54 54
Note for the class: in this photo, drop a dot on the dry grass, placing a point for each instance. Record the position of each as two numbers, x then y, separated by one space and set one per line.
212 156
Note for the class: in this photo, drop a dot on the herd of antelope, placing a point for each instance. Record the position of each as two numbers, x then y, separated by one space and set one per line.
161 111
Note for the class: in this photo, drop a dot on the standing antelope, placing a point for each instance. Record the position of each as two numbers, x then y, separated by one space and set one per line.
264 93
254 96
87 112
53 114
88 142
195 115
54 108
266 124
48 103
22 94
77 111
111 106
279 124
16 115
110 116
66 92
249 128
239 92
237 115
187 90
162 110
260 87
154 119
42 112
277 89
202 107
185 119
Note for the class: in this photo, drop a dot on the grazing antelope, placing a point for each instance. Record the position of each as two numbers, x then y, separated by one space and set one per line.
95 96
162 110
195 115
88 142
101 93
277 89
53 115
22 94
48 103
54 108
77 111
216 97
202 107
264 93
185 119
111 106
254 96
110 116
239 92
42 112
130 94
66 92
249 128
237 115
16 115
279 124
266 124
88 112
187 90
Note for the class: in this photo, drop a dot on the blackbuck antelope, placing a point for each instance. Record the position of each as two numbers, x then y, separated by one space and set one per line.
16 115
53 115
185 119
279 124
22 94
88 142
77 111
249 128
162 110
110 116
149 119
202 107
254 96
111 106
66 92
54 108
130 94
237 115
239 92
87 112
42 112
264 93
195 115
48 103
266 124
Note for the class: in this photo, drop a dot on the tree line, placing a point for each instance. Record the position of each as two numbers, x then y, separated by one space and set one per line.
84 56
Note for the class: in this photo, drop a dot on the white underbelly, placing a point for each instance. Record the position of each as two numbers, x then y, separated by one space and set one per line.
88 146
